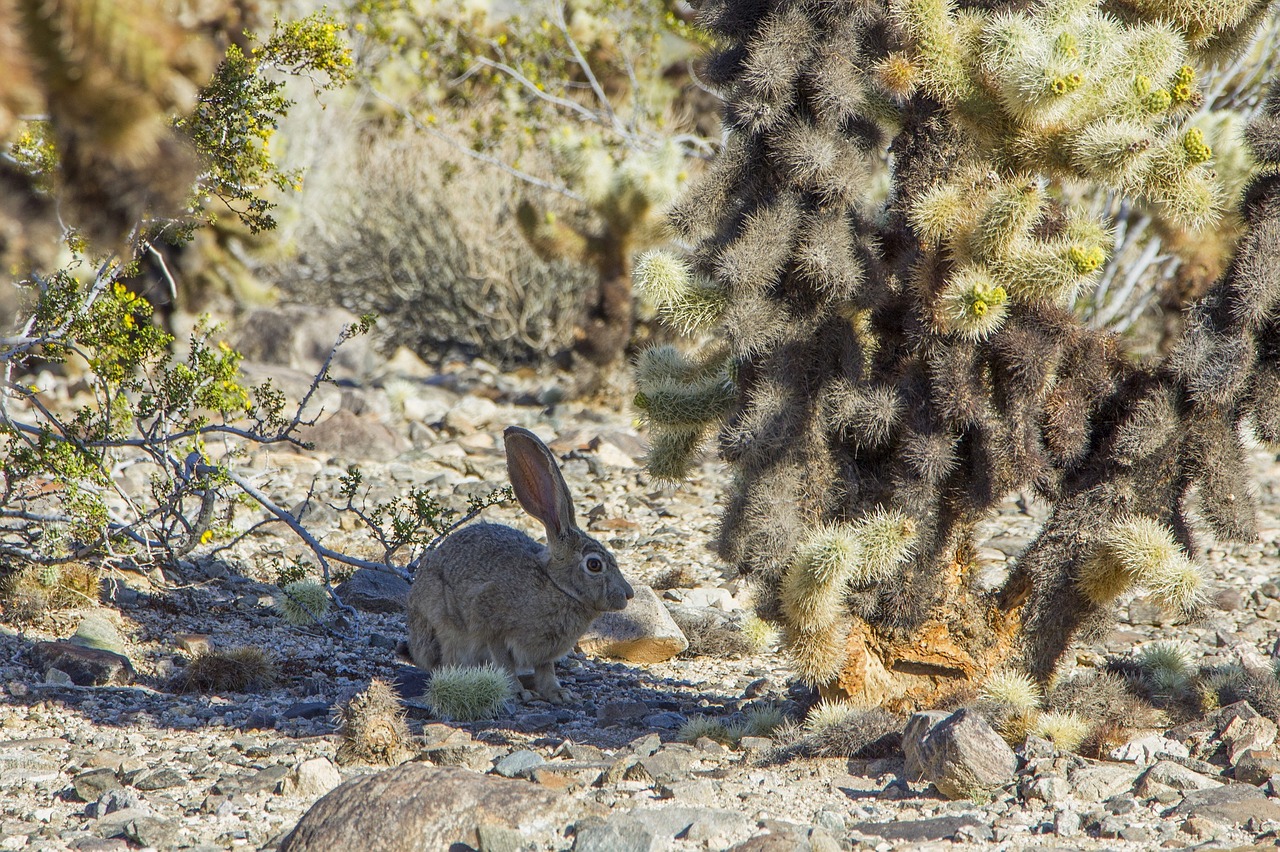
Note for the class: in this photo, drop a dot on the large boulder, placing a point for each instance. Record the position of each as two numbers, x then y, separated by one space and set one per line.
415 806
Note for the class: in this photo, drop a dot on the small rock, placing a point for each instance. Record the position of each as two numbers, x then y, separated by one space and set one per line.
620 711
311 779
669 764
1096 782
193 643
609 837
1050 789
119 799
964 757
307 710
668 721
1199 828
97 631
1146 610
918 726
355 436
374 591
477 756
471 413
1066 824
268 779
1256 767
645 745
1241 735
644 632
919 830
1229 599
91 784
519 764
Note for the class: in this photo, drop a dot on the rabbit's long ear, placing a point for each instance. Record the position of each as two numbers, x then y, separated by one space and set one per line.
537 481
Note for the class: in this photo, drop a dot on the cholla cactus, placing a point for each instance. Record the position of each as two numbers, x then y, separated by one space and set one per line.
912 356
302 603
468 693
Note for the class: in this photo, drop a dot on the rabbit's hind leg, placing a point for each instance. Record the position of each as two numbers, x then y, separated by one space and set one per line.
544 680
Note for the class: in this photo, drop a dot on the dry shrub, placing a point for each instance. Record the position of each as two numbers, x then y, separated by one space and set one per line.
711 635
432 247
677 577
243 669
28 593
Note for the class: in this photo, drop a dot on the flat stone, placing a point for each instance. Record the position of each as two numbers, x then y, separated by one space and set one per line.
1231 804
518 764
415 806
964 757
85 666
644 632
919 830
1169 775
471 755
374 591
1096 782
307 710
158 778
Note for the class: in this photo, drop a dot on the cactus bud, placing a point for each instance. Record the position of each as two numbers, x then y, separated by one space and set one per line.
1198 151
973 305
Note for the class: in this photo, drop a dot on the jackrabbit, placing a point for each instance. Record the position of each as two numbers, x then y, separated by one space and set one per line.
491 593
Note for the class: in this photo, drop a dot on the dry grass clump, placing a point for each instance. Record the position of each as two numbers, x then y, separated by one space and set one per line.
372 727
1220 686
712 635
840 729
243 669
677 577
28 593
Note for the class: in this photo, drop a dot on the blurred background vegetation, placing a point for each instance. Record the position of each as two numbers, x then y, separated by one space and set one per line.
480 173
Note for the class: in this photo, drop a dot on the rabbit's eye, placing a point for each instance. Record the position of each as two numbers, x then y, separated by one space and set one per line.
594 564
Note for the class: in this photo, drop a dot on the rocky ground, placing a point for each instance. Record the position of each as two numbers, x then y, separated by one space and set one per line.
117 767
